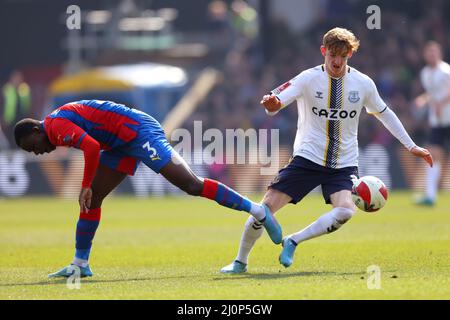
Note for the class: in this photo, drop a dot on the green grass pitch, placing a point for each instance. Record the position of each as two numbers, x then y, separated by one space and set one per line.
173 248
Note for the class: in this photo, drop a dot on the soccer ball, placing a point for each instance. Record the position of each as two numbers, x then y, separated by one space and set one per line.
369 193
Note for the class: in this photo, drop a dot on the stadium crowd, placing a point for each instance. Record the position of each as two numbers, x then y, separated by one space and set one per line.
254 63
392 56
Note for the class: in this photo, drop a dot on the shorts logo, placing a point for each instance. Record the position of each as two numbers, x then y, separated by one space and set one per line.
353 96
153 153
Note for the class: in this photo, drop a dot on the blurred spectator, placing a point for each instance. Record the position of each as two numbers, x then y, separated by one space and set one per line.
16 104
4 144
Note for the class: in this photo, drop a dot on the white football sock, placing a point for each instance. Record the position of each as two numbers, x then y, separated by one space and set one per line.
80 262
433 177
257 211
253 231
328 222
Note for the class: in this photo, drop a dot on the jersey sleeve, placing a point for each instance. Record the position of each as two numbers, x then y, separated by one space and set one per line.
91 150
447 77
422 79
63 132
393 124
373 102
290 90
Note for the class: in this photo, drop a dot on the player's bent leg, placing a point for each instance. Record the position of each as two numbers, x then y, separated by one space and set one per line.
253 230
275 199
343 210
105 181
343 199
179 174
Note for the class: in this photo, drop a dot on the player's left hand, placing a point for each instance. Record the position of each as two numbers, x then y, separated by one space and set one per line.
85 199
423 153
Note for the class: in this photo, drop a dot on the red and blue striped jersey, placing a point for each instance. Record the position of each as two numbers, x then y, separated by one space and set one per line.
109 123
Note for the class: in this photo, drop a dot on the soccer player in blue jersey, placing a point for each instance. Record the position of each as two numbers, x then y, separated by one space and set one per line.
115 139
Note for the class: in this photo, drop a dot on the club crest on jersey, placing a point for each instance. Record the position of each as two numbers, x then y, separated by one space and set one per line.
353 96
68 138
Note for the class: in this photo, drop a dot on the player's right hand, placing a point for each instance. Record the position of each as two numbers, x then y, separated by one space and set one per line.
85 199
271 103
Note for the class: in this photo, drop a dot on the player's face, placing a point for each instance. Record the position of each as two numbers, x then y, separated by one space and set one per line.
37 142
432 55
335 61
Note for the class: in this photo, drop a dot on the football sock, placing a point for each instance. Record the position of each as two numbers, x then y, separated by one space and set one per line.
327 223
253 230
225 196
433 177
86 227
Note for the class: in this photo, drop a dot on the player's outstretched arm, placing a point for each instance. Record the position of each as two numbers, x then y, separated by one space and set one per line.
393 124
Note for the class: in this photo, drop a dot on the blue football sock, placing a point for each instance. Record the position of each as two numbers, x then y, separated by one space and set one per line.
86 227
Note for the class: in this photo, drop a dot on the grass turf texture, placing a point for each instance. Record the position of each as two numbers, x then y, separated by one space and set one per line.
173 248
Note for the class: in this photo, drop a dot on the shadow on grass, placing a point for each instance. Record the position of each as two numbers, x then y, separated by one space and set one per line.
90 280
223 277
281 275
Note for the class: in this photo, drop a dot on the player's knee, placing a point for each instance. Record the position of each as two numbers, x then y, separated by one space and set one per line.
272 204
343 214
193 188
96 201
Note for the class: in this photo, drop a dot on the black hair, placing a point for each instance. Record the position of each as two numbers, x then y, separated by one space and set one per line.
24 128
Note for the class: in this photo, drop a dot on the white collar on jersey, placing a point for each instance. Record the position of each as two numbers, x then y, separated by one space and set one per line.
323 69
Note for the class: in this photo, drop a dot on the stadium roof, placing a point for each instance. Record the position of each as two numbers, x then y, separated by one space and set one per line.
120 78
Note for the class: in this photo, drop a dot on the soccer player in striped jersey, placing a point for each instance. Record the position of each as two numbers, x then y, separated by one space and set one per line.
330 98
115 139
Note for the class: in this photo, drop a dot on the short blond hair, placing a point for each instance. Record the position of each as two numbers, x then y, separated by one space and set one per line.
340 40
